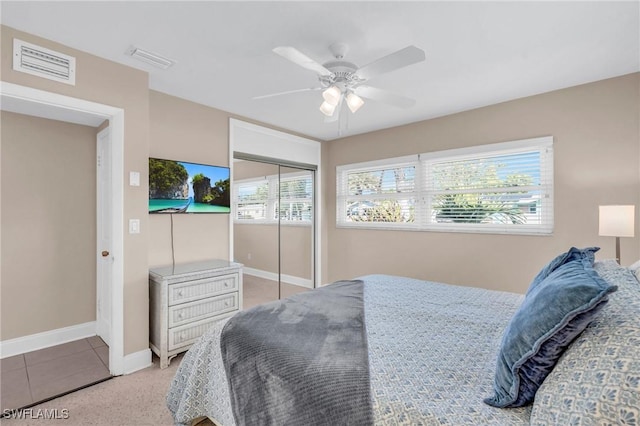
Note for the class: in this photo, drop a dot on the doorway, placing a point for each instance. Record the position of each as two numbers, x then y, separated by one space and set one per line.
29 101
274 227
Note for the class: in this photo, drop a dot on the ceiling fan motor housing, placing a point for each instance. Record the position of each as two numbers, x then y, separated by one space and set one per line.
342 75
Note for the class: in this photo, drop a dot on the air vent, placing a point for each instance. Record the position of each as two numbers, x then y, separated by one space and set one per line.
150 58
45 63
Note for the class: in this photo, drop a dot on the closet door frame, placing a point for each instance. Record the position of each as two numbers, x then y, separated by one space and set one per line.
253 142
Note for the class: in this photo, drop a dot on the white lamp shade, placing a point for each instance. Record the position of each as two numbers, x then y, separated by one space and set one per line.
354 102
332 95
617 221
327 109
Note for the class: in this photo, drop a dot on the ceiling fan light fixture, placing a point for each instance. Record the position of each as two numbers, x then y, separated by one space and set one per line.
327 109
354 102
332 95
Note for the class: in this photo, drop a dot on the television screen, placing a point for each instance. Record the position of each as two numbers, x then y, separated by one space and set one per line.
181 187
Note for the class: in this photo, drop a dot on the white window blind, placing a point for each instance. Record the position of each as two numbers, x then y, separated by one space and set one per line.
296 198
288 198
497 188
252 200
374 194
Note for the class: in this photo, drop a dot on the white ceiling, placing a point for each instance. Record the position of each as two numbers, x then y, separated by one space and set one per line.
478 53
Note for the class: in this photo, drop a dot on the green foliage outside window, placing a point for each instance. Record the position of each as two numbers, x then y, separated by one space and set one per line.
478 207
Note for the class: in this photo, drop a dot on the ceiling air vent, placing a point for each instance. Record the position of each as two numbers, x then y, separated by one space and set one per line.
150 58
45 63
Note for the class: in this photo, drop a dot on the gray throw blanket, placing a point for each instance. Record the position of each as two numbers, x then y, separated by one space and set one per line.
300 361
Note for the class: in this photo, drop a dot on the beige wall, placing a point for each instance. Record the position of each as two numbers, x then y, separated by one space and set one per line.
48 225
256 246
106 82
185 131
596 154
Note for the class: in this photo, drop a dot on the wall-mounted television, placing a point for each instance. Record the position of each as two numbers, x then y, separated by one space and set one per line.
182 187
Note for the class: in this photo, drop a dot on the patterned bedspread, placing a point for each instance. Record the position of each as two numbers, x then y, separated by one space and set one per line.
432 350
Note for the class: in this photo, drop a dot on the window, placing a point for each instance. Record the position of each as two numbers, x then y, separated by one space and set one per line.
295 198
256 200
252 200
378 193
498 188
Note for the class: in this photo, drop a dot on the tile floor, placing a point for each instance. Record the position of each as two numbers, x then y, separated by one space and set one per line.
40 375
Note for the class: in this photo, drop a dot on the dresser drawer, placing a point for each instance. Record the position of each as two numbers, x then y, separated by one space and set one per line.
193 311
188 334
200 289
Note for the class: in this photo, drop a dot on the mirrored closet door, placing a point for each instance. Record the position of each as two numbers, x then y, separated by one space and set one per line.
273 227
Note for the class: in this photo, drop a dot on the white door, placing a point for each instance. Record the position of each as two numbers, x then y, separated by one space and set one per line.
104 256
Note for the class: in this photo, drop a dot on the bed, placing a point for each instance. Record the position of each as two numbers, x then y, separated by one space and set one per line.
435 352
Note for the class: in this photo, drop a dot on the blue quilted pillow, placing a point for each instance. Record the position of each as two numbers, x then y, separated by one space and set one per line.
560 260
556 309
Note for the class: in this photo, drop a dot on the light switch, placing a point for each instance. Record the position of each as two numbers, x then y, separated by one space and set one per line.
134 226
134 178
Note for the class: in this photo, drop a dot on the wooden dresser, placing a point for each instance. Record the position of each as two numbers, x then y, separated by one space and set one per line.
187 299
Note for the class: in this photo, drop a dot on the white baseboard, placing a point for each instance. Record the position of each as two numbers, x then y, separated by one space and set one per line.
137 361
289 279
33 342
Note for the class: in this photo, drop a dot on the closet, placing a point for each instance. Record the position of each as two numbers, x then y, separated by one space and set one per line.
274 223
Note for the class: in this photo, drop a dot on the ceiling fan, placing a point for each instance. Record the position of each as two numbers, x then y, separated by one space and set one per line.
342 81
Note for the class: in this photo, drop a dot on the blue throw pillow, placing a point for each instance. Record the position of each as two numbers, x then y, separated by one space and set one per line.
560 260
556 309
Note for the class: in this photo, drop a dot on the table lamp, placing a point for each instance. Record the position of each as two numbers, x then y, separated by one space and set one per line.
617 221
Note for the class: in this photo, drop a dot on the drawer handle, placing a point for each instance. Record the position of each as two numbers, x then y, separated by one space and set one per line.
226 304
226 284
183 335
180 315
180 293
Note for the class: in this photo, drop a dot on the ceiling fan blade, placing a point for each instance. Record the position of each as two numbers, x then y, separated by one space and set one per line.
385 96
402 58
286 93
299 58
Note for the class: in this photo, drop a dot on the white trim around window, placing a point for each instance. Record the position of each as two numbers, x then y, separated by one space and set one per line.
502 188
